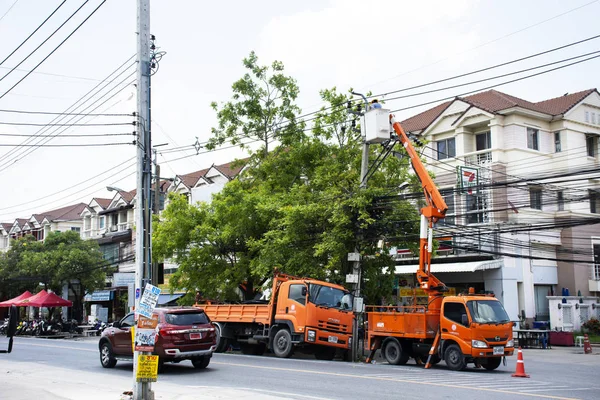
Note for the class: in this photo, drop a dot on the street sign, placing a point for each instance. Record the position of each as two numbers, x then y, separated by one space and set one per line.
359 305
353 256
351 278
148 300
147 368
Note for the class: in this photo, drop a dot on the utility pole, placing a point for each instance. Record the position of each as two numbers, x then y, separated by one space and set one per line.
356 268
142 390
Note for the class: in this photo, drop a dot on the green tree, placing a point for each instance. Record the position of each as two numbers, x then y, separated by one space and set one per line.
262 108
62 258
300 209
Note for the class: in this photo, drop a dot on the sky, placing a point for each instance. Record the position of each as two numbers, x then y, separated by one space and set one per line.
381 46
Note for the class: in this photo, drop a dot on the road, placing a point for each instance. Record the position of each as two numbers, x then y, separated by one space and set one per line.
44 369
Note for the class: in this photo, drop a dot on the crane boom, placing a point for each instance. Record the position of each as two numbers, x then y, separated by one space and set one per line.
434 210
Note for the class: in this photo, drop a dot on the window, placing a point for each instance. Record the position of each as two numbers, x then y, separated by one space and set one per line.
76 229
542 308
594 202
557 147
446 148
560 200
535 198
594 118
590 144
128 321
449 199
587 116
483 141
296 294
101 223
596 265
532 139
454 312
475 202
187 318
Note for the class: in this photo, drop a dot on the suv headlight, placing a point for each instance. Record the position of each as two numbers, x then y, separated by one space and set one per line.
510 343
311 336
478 344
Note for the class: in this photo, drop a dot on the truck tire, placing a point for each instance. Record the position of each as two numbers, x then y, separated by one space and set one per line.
282 344
455 360
394 353
222 343
492 363
107 358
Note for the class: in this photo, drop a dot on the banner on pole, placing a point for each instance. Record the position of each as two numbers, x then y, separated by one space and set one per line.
147 368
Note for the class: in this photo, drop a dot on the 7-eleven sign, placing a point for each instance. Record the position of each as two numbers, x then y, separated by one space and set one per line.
468 178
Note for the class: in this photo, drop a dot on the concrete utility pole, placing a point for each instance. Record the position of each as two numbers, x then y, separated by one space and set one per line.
356 268
142 390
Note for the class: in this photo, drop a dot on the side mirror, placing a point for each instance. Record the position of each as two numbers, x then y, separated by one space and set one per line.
464 319
514 324
304 291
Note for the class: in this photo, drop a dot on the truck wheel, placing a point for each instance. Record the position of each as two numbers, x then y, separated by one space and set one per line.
107 358
222 343
492 363
455 360
282 344
325 353
394 353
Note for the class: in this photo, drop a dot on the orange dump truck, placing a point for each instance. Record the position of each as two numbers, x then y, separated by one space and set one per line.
302 312
457 329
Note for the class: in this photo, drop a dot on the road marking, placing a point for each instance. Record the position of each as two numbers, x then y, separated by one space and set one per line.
306 371
304 396
62 347
541 390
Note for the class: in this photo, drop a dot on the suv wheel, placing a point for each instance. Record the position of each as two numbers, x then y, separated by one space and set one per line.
201 363
107 358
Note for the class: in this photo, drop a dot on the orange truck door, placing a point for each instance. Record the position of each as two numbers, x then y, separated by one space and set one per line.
292 305
455 326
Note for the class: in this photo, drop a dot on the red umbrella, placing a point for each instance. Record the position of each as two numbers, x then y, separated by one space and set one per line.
15 300
45 299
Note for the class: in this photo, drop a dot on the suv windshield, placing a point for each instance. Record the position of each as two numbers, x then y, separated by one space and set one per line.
330 297
487 311
195 318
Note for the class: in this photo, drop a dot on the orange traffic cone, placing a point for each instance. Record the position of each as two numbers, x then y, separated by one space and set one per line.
520 372
587 347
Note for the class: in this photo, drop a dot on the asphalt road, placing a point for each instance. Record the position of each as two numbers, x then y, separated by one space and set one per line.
44 369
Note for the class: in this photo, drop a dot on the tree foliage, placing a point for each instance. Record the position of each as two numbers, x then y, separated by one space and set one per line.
62 258
262 108
297 207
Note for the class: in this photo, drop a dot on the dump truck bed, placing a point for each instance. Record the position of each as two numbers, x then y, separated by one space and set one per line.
246 313
410 322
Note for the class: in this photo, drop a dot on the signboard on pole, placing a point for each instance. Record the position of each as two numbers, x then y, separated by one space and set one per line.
147 368
148 300
468 178
145 333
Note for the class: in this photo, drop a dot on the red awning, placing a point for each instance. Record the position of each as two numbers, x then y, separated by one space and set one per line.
15 300
44 299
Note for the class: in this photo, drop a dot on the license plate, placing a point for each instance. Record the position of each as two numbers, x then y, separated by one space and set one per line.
332 339
498 350
196 336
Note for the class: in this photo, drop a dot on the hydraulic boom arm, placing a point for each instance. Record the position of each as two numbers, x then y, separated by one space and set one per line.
434 210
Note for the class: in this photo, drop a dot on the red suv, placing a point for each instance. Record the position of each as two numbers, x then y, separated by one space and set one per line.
184 333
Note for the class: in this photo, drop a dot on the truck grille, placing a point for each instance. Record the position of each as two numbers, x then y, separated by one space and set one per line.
333 327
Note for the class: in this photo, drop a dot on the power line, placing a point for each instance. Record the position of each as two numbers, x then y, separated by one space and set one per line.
54 50
31 34
50 124
66 136
64 113
41 44
7 11
68 145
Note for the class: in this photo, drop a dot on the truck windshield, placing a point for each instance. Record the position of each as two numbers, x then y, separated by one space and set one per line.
487 311
330 297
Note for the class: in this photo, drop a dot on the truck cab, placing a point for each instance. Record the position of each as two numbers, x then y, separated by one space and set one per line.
474 328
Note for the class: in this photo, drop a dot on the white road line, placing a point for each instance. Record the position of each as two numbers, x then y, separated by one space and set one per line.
541 390
62 347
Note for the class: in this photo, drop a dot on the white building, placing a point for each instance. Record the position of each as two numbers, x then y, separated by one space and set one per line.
522 183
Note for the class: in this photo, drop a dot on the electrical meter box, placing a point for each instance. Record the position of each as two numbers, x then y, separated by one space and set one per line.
375 126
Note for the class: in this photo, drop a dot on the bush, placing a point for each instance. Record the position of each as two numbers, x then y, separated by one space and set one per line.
593 326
